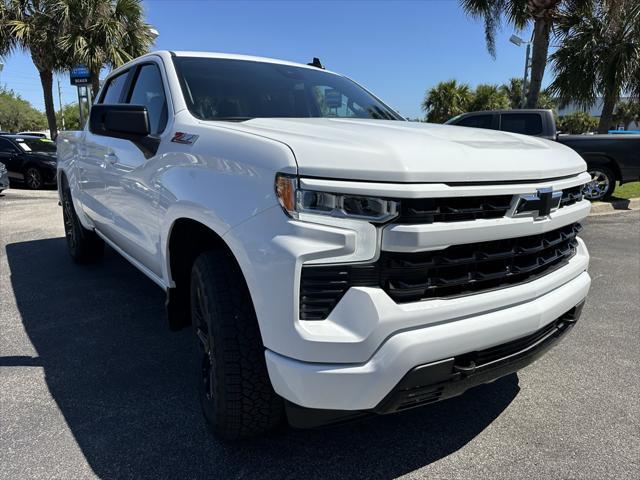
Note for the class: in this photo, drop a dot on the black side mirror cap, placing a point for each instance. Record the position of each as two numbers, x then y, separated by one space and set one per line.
130 122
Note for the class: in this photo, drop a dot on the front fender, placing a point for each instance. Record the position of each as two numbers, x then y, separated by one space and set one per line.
228 179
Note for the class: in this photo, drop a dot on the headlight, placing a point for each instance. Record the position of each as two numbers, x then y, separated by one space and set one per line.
295 201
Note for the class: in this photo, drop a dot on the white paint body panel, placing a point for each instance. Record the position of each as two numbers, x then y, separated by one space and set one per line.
225 181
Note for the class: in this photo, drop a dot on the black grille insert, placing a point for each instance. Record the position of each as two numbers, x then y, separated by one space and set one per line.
430 210
454 271
458 209
571 196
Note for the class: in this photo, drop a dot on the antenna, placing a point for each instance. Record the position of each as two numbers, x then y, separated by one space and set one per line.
316 63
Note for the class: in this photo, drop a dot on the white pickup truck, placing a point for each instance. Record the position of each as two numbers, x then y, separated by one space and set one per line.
332 259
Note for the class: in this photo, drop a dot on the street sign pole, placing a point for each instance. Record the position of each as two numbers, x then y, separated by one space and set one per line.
80 109
80 76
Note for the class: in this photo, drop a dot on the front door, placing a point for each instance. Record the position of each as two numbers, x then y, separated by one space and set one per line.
92 158
130 173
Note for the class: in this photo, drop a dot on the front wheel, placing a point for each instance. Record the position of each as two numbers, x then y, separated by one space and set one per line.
235 393
602 184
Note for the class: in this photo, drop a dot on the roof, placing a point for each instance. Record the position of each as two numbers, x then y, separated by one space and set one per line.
14 136
235 56
508 110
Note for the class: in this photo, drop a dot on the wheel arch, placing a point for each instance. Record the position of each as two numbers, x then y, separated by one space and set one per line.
604 161
186 239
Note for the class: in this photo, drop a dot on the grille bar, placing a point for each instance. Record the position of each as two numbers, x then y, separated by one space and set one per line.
458 209
454 271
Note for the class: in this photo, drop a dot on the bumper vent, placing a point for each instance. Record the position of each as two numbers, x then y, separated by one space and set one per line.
454 271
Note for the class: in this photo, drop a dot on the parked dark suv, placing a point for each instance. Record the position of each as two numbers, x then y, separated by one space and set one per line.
29 160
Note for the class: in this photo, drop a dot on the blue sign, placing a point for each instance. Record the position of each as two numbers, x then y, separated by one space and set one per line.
80 75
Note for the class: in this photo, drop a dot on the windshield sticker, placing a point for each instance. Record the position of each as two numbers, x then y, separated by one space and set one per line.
24 146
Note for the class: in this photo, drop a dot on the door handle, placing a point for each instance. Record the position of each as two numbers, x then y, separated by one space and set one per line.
111 159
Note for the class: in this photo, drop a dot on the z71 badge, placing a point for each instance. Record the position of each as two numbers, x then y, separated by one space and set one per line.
185 138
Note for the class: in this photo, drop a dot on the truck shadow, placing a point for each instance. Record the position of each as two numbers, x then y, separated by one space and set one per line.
120 379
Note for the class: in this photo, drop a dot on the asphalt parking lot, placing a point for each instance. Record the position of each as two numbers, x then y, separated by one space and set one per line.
93 384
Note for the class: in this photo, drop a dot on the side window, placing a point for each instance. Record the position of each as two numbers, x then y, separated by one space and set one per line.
6 146
148 91
114 89
526 123
477 121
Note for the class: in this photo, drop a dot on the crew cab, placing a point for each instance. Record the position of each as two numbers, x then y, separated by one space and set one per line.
610 158
332 259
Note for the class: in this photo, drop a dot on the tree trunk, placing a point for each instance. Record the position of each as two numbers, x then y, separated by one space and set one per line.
538 59
95 85
606 117
46 79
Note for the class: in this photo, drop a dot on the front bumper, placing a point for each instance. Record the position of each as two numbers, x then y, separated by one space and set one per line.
450 377
365 385
353 359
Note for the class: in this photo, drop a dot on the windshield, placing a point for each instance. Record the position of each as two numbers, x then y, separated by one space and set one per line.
225 89
40 145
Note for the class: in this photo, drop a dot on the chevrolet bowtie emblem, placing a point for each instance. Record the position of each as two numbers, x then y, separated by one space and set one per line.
540 203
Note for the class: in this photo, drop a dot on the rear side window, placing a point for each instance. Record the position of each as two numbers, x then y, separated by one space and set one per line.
477 121
114 88
148 91
525 123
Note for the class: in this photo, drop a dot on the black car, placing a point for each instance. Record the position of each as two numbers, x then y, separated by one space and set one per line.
30 160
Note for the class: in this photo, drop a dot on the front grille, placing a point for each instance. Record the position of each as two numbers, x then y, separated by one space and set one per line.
430 210
462 269
571 196
453 271
458 209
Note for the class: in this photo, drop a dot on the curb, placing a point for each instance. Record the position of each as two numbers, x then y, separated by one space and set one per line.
599 208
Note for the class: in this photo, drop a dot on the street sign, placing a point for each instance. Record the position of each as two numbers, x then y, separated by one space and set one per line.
80 75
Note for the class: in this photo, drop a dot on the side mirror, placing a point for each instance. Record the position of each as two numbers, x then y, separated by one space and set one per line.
130 122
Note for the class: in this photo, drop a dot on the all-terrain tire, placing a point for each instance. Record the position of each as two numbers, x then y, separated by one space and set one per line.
235 393
84 245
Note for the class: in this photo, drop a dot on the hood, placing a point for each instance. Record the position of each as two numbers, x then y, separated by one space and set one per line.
396 151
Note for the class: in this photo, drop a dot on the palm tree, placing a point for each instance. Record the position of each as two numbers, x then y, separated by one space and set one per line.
6 40
34 25
489 97
103 33
599 55
446 100
513 91
627 112
520 14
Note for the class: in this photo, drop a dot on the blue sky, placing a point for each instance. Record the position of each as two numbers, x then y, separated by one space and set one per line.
397 49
